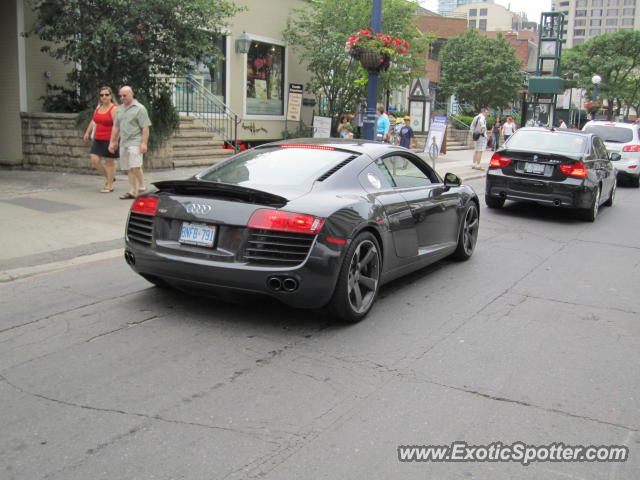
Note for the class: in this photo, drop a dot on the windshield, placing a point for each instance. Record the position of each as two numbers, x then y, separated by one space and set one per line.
545 141
287 167
612 134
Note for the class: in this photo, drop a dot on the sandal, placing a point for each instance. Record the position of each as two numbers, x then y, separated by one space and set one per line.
127 196
106 190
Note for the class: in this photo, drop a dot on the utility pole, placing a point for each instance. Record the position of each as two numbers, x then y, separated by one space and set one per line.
372 84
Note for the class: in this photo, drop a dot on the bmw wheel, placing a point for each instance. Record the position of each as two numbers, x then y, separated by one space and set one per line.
590 214
359 279
468 233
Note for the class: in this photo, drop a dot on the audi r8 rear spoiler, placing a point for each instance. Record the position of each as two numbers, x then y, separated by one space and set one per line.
227 191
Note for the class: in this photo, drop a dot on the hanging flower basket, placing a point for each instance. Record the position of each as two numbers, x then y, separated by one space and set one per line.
370 59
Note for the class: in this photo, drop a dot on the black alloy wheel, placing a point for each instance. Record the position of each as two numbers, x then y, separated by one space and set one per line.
493 202
359 279
468 233
612 195
590 214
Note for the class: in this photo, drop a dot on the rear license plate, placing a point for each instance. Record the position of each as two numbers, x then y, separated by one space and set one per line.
534 168
197 234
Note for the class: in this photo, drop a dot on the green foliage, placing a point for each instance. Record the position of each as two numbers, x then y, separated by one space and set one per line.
479 70
127 42
60 100
319 33
613 56
164 118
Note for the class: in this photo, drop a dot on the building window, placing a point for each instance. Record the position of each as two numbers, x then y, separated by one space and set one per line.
564 4
482 25
483 12
596 3
612 3
611 21
580 23
265 79
629 12
581 13
473 12
578 40
472 24
594 31
578 32
596 12
581 3
595 22
611 30
612 12
630 2
627 22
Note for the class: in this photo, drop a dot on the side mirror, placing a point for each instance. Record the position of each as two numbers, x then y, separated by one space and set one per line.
614 157
451 180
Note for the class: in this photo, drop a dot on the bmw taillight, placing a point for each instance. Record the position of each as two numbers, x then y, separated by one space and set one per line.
266 219
631 148
577 169
145 205
499 161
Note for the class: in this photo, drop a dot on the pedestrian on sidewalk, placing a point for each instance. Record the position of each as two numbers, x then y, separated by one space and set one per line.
131 133
382 126
479 133
508 128
101 125
495 131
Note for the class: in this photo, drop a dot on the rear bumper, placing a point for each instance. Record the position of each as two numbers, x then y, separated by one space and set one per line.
315 279
570 193
627 174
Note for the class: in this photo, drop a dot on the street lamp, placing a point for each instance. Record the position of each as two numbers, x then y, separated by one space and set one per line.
596 79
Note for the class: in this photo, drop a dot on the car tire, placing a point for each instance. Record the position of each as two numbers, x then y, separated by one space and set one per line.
635 181
612 195
359 279
468 235
158 282
590 214
493 202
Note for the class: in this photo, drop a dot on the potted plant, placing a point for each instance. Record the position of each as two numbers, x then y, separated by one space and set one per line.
594 106
375 51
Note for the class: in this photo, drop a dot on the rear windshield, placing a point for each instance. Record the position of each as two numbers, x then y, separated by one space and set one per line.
543 141
289 167
612 134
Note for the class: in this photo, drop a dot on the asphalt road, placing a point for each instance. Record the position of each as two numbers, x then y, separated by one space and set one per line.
536 339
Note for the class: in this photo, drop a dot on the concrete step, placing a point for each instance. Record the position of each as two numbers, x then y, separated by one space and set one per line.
218 152
192 135
198 161
182 143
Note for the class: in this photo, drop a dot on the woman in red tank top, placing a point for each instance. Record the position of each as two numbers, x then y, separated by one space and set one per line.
101 124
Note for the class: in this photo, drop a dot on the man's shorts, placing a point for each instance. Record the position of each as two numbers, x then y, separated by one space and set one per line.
480 145
130 157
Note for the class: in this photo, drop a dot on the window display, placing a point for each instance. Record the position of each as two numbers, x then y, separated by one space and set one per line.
265 85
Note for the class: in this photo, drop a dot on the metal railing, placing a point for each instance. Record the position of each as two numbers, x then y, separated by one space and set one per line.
192 98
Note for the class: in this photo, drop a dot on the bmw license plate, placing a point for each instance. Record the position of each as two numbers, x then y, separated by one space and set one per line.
536 168
197 234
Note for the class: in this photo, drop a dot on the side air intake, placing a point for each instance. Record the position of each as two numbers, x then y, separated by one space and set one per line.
328 173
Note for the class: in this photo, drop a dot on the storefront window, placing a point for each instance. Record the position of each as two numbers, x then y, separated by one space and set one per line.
265 79
212 73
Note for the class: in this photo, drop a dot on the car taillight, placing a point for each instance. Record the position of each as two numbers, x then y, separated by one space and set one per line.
631 148
577 169
498 160
145 205
265 219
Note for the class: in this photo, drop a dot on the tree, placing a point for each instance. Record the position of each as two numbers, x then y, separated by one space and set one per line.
613 56
480 71
319 32
118 42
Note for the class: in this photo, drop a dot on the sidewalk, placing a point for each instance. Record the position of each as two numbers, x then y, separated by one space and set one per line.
52 220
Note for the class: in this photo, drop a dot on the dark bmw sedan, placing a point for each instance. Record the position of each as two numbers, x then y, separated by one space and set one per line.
562 168
311 223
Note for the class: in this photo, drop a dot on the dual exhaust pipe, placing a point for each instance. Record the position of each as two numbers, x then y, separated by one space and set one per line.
129 257
556 203
284 284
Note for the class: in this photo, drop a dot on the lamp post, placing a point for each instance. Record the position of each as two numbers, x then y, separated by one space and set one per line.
596 79
372 84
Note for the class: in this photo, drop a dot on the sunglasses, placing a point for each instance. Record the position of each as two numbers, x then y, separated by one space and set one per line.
104 94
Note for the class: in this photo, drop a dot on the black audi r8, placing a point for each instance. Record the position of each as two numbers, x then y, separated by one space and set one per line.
310 222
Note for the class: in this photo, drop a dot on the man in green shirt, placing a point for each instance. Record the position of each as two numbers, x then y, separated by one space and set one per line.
131 131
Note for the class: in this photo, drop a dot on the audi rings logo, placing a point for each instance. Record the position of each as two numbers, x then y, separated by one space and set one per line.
198 208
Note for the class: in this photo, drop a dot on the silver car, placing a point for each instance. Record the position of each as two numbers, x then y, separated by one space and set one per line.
622 138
